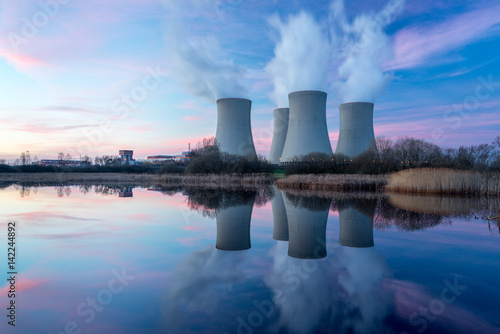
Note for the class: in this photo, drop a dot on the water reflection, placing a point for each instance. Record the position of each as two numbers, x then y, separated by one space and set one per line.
233 226
280 220
307 217
306 271
365 303
126 192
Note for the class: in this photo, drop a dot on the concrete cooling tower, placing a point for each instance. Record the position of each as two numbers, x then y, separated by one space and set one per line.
356 128
279 134
307 130
234 131
356 226
233 227
280 221
306 230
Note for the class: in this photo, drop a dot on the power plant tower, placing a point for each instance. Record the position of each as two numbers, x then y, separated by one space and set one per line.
307 227
279 134
307 131
234 131
233 227
356 128
280 221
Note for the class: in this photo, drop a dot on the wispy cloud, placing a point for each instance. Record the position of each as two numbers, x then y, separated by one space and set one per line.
44 128
415 46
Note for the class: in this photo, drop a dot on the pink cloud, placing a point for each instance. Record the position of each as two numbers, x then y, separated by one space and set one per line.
21 60
416 45
141 216
192 228
44 216
23 284
193 118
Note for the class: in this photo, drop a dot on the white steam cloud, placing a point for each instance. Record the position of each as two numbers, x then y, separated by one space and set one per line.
356 49
198 63
362 48
301 57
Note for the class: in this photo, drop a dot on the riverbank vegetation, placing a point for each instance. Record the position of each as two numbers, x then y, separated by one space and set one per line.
445 182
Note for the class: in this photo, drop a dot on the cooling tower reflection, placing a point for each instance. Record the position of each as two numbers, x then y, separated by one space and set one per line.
307 217
280 220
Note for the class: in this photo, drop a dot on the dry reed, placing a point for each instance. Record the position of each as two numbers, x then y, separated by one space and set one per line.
334 182
201 180
444 182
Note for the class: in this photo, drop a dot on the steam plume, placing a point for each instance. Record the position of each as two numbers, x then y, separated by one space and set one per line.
200 66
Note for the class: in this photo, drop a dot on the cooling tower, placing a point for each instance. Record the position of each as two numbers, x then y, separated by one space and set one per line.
356 128
356 223
307 131
280 221
233 227
306 229
279 134
234 132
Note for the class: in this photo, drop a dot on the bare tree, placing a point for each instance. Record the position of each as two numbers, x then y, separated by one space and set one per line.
68 156
2 161
60 156
496 142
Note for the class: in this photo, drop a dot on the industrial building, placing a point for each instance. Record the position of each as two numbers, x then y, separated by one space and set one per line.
234 131
127 157
281 116
356 128
307 130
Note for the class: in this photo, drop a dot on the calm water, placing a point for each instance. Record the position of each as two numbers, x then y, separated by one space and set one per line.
135 260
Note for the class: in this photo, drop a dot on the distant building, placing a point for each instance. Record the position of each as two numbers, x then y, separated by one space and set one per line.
159 159
127 157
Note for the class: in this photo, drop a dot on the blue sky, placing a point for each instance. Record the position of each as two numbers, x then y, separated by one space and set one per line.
92 77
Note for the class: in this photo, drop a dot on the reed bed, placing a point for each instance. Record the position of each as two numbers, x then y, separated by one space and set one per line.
444 182
334 182
196 180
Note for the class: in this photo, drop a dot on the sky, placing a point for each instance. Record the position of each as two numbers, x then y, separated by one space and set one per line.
93 77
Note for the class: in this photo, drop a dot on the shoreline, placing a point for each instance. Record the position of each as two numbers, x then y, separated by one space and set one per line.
419 182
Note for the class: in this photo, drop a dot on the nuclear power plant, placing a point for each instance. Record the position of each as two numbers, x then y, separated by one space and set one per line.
279 134
298 130
356 128
307 130
234 131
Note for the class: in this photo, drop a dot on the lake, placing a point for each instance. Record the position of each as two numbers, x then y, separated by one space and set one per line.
108 259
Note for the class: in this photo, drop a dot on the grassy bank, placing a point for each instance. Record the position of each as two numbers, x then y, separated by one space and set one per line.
444 182
201 180
334 182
